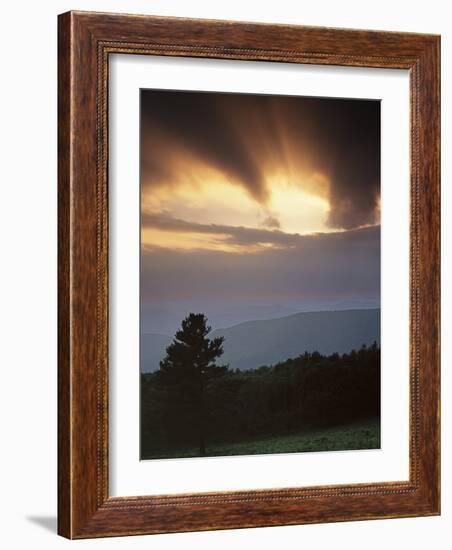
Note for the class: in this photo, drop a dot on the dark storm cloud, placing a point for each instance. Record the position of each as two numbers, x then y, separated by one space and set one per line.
204 125
241 135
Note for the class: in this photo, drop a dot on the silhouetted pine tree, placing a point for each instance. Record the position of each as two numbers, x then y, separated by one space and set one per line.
188 369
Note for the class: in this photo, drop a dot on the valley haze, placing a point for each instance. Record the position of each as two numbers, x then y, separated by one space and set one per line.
252 344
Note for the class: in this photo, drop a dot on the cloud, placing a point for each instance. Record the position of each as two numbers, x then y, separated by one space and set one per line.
271 222
316 243
241 236
203 125
252 138
327 266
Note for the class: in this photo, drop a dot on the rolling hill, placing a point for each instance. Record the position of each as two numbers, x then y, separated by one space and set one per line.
254 343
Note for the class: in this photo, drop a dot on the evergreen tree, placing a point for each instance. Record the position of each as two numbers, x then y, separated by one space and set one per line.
189 368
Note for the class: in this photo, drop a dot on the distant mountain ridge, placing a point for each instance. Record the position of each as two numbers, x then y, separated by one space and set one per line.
251 344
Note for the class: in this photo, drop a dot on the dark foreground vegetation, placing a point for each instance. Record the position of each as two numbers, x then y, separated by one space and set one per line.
194 407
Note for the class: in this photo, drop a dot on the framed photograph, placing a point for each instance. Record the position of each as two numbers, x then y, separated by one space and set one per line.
248 275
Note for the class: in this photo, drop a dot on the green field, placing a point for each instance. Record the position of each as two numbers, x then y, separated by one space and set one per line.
360 435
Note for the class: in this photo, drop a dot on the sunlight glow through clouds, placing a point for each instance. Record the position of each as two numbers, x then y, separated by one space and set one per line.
299 211
290 209
191 240
247 173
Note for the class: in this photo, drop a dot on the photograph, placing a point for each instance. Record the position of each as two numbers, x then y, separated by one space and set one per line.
259 274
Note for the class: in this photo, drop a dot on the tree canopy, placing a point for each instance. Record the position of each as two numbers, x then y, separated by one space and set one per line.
191 402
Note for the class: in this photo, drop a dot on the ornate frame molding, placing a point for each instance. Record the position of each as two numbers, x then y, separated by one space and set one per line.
85 42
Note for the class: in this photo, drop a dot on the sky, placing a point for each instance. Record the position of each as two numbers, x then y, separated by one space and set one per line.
256 206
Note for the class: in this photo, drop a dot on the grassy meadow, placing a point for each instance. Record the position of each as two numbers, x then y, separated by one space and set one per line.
360 435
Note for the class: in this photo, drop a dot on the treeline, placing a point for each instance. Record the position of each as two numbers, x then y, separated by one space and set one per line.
303 393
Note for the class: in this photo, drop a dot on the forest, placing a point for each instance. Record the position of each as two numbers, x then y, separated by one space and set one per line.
193 406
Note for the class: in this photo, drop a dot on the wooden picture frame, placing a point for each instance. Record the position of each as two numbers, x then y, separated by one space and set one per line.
85 508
